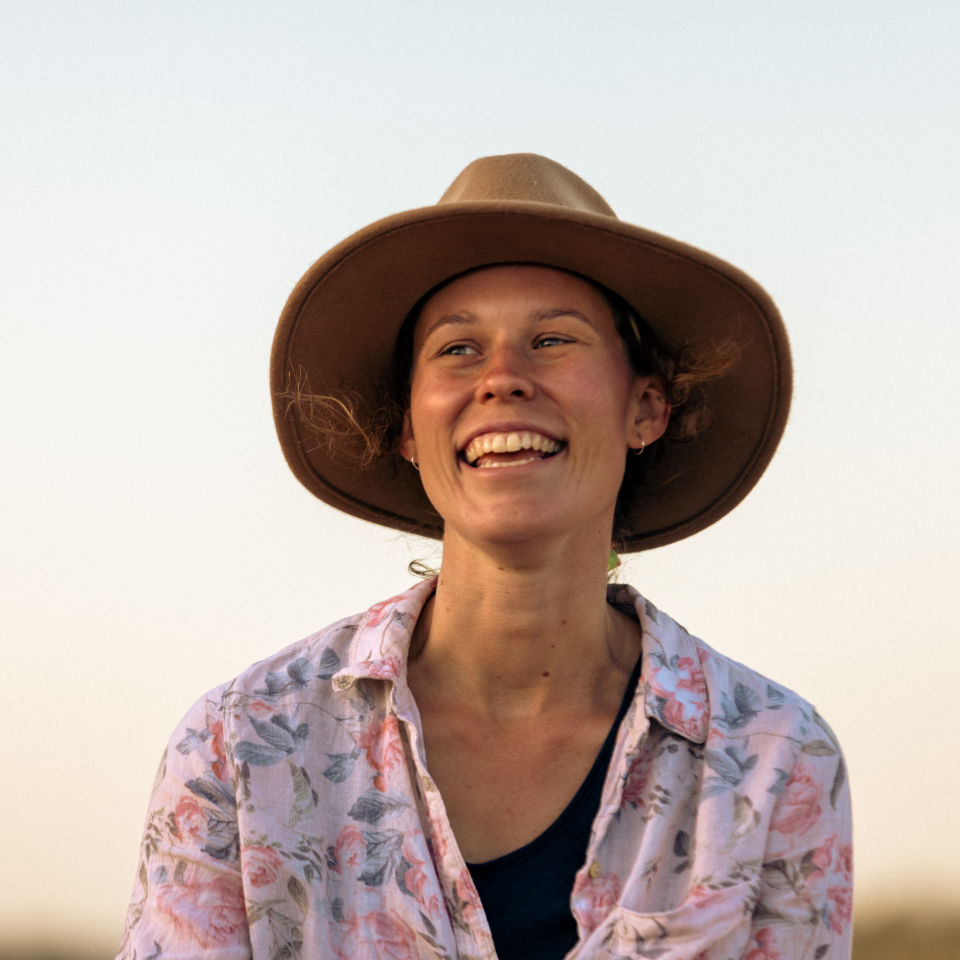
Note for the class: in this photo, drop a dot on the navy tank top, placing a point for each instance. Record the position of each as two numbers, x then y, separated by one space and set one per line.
526 893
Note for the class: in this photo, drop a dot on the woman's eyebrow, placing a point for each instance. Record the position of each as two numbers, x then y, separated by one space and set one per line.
447 318
541 316
555 312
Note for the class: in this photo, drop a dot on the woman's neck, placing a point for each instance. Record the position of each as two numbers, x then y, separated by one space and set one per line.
519 632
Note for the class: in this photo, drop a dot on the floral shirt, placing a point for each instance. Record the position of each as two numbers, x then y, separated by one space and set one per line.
294 816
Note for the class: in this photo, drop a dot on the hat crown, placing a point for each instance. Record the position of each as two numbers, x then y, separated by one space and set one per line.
525 177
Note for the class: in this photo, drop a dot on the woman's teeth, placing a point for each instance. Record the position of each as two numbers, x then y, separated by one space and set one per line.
509 443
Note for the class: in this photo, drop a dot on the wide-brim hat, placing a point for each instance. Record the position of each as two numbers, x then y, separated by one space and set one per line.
338 331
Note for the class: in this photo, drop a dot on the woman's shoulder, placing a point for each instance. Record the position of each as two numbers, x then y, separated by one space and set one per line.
315 657
370 643
702 689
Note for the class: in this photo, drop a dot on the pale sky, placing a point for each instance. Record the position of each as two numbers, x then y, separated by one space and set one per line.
168 171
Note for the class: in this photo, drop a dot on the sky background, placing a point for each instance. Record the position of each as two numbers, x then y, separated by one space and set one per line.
167 173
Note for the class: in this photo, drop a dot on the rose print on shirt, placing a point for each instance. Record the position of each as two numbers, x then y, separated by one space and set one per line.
377 935
831 866
636 781
384 749
840 909
191 819
210 912
387 668
799 807
260 865
349 850
765 948
594 897
679 693
380 611
415 880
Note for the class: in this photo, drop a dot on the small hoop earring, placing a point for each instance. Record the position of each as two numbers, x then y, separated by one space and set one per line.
636 452
414 464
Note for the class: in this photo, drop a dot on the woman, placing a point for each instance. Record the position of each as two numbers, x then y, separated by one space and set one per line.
512 758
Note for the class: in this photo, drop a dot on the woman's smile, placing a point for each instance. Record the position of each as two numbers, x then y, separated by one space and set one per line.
509 448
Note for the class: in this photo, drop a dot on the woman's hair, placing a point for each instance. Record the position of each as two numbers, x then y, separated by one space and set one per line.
350 430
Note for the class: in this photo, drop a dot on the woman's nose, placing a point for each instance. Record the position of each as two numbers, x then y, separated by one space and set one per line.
506 374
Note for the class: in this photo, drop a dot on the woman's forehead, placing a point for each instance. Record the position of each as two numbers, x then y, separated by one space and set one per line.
524 286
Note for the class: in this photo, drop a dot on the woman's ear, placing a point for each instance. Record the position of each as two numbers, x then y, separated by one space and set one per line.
408 446
651 412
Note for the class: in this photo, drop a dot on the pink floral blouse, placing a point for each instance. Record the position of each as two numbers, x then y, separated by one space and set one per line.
293 816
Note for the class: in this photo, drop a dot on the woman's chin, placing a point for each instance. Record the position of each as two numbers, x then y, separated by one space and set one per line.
533 526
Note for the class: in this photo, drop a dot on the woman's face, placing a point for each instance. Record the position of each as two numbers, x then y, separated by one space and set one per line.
523 405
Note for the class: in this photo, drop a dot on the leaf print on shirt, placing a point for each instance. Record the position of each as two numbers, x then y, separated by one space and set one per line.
210 739
305 798
193 740
279 737
342 766
783 874
307 860
813 882
286 932
730 766
222 840
775 697
382 856
329 664
739 710
298 673
373 806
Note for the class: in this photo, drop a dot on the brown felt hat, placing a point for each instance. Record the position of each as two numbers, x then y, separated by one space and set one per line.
338 331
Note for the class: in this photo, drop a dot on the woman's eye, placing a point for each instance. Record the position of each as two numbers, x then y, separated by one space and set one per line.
551 341
457 350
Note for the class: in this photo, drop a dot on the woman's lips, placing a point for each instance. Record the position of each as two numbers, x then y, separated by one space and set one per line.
500 449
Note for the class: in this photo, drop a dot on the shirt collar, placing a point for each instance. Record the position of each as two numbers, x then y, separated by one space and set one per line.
671 671
674 685
378 649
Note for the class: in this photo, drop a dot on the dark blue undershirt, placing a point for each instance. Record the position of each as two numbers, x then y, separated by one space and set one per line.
526 893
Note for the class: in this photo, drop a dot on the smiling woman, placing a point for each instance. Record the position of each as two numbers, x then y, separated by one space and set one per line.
515 758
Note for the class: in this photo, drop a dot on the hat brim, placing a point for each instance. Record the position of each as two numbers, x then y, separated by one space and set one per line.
338 331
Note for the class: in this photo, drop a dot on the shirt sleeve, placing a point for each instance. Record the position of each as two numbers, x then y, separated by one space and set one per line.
805 903
188 899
